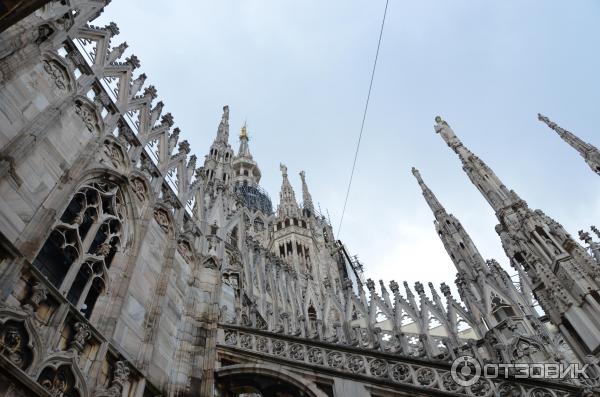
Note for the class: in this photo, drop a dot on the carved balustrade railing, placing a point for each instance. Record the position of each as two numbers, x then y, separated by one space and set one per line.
394 371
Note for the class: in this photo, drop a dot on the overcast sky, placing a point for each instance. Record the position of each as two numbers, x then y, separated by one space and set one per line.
298 72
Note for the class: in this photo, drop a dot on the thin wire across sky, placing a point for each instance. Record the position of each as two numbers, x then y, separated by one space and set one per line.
362 125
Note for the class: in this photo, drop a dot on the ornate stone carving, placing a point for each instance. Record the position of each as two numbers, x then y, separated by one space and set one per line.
509 390
81 335
279 348
113 153
482 388
39 293
122 372
58 382
230 337
315 355
162 219
356 364
297 352
261 344
420 376
401 373
335 360
425 376
87 115
246 341
185 250
449 384
58 74
14 344
379 368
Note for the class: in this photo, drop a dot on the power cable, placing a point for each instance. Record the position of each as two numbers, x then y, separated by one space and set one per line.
362 126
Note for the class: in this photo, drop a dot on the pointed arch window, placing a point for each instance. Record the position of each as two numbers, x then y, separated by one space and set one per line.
233 236
312 319
80 250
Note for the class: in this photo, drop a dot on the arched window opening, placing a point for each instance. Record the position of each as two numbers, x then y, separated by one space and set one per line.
287 222
233 237
258 384
89 283
312 319
57 255
281 251
83 244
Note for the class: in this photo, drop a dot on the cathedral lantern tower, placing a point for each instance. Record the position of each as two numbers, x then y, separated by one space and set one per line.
245 169
564 277
292 238
246 176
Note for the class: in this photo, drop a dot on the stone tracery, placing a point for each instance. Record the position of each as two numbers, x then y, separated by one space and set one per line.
276 284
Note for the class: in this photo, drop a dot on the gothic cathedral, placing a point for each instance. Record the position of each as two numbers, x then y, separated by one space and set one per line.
130 268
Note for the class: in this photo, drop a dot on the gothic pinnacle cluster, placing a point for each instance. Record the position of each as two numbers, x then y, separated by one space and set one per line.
126 270
563 276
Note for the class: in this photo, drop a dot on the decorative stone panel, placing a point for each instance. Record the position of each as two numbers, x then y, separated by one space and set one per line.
414 375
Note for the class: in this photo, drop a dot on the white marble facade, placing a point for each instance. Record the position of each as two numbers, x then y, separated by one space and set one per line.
127 268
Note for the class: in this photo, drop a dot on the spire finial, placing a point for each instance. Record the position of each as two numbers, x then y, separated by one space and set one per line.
306 197
482 176
417 175
432 201
223 130
288 207
244 131
588 151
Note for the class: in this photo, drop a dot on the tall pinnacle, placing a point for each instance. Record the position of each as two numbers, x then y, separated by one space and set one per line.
456 240
288 207
588 151
482 176
433 202
306 197
223 131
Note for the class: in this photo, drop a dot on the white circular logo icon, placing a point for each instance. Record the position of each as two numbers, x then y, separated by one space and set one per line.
465 371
